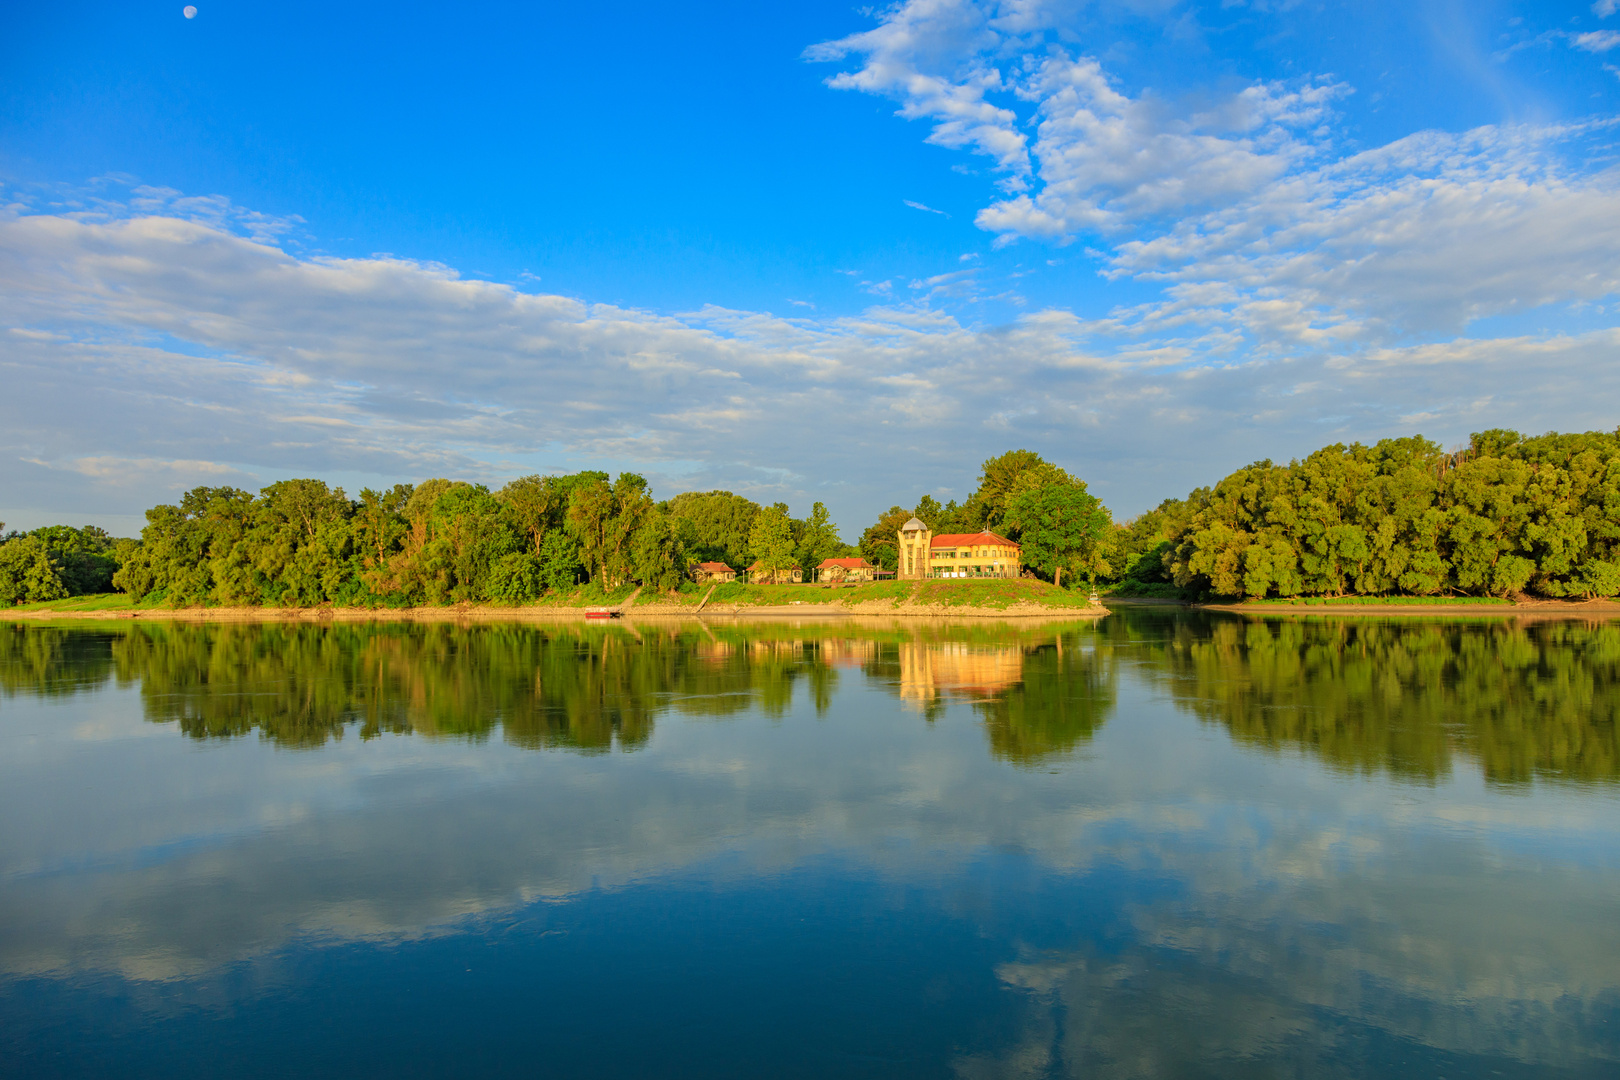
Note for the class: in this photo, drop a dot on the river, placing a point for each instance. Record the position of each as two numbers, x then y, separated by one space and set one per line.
1163 844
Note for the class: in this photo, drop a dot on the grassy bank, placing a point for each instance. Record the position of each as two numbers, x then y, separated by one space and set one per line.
94 602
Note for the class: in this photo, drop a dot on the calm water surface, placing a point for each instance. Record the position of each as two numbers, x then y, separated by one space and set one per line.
1166 845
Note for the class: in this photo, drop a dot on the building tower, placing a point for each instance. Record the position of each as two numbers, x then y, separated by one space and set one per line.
916 542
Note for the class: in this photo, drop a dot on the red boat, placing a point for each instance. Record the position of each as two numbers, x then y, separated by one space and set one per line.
602 613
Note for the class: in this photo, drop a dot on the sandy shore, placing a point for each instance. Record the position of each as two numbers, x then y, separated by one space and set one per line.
1544 609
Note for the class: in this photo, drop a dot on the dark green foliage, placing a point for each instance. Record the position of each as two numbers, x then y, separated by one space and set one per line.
1061 527
58 561
85 559
1508 514
301 543
27 574
716 525
820 540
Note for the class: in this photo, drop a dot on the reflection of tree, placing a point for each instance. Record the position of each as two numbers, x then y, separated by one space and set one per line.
1538 700
1067 693
1039 691
51 661
587 688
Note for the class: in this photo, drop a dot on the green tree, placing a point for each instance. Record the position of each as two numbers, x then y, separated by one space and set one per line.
715 525
821 540
770 542
1003 478
27 574
85 559
300 543
1061 527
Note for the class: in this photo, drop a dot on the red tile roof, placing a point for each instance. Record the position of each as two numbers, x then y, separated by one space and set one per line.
986 538
847 564
715 568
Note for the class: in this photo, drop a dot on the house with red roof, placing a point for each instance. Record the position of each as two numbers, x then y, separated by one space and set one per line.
955 555
713 572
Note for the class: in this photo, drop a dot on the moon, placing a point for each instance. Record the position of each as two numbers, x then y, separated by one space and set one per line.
189 12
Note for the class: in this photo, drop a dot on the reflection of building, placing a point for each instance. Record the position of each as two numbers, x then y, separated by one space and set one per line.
713 571
974 672
761 576
851 652
955 555
844 570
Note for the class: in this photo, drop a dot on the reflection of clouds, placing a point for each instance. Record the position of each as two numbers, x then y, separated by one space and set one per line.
1222 984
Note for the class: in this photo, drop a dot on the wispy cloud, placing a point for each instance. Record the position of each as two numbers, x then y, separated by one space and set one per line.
1597 41
1265 235
920 206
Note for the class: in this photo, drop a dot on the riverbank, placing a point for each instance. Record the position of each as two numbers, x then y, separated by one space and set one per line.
909 599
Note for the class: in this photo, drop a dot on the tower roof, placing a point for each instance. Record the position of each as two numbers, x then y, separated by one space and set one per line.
913 524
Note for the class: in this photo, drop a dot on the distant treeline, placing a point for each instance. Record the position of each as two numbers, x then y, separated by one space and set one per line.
1506 515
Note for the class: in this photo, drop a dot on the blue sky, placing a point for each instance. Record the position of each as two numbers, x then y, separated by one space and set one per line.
815 252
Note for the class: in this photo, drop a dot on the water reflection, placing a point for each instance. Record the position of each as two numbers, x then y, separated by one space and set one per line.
1404 697
583 688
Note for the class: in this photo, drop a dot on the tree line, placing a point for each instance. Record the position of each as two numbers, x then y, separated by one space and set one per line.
302 542
1508 514
1505 515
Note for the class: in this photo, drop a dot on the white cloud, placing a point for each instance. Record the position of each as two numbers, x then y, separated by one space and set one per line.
921 206
1604 8
1597 41
1266 236
928 55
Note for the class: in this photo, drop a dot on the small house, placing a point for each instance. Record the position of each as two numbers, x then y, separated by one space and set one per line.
761 576
713 572
844 570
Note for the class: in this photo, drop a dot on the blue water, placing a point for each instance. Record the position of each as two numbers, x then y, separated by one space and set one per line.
1140 849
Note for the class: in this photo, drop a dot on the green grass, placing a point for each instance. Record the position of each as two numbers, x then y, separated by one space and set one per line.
1001 593
93 602
1149 590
